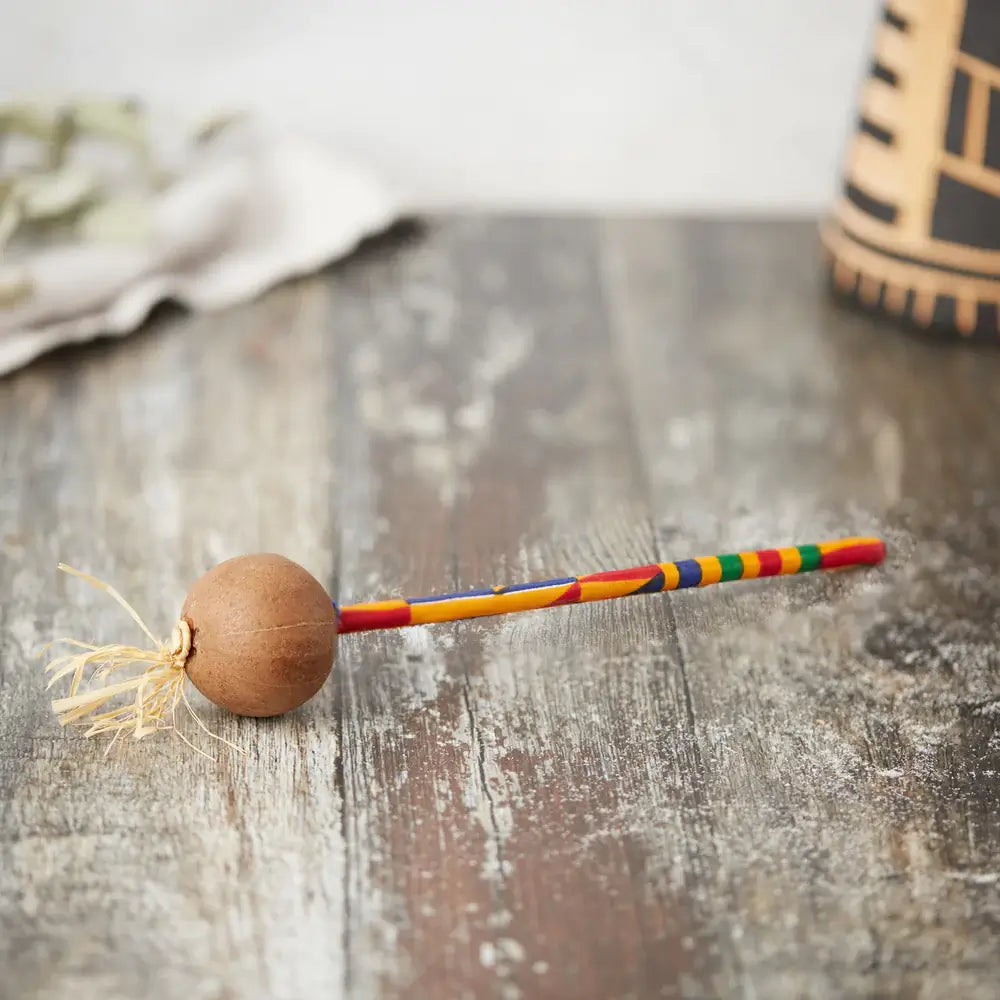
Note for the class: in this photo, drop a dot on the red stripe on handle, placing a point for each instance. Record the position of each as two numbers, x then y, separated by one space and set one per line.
617 575
570 596
770 562
868 553
360 620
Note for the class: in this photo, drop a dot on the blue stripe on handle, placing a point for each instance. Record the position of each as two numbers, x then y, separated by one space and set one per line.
449 597
688 572
564 582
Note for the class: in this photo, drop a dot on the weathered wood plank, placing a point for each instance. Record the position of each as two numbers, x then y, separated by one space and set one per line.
147 463
411 892
509 445
849 772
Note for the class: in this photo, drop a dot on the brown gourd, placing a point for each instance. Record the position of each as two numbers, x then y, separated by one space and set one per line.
263 635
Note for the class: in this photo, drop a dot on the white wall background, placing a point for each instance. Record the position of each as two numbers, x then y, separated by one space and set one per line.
699 105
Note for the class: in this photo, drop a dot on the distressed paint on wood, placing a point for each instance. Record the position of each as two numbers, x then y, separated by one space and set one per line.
778 789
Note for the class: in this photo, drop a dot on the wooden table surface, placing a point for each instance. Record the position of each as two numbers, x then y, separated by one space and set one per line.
776 789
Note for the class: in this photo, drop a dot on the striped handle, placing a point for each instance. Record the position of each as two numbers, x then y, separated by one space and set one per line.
650 579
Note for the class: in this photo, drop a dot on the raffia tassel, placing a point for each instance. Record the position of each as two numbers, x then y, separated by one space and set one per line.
153 695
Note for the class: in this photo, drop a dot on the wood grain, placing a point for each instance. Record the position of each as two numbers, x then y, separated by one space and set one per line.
775 789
